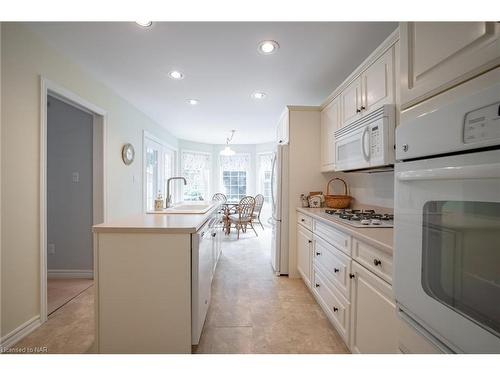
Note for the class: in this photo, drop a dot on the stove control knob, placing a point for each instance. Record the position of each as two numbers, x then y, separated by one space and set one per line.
365 222
376 222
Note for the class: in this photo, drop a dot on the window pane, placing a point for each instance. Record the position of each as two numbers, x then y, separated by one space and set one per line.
460 257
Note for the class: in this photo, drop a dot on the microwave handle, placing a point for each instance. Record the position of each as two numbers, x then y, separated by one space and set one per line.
481 171
366 155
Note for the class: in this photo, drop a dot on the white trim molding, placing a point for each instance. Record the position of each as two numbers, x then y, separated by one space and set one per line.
48 87
19 333
70 274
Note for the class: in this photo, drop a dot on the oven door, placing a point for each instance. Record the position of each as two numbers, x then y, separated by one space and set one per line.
447 248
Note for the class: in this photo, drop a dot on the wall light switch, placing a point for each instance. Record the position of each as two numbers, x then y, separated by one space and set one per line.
76 177
51 248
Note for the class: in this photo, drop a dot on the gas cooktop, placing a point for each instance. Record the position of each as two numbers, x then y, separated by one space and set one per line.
362 218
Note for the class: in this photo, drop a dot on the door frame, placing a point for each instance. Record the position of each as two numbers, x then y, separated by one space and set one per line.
51 88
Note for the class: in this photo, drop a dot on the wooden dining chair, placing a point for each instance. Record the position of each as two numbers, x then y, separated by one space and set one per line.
244 214
219 197
259 202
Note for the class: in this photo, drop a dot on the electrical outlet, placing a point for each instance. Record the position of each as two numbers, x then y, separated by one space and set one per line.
51 248
76 177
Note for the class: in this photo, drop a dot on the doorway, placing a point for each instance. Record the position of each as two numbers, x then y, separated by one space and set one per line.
73 199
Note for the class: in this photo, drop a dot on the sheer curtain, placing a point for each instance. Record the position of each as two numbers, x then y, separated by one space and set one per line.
265 166
196 168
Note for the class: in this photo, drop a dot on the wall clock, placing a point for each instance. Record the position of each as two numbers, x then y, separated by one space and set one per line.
128 154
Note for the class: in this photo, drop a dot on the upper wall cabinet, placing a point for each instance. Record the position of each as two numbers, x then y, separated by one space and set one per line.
378 82
374 87
438 55
282 130
330 121
351 102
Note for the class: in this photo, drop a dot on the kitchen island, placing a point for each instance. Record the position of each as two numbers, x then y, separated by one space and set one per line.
153 276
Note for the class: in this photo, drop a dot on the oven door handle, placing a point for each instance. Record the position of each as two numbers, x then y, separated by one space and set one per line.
481 171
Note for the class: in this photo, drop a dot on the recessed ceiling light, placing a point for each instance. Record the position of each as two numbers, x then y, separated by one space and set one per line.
259 95
175 74
144 23
268 47
192 101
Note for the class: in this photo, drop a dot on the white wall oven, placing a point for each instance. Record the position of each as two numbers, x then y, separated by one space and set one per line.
447 218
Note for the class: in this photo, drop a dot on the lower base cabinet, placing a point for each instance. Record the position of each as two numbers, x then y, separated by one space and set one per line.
373 320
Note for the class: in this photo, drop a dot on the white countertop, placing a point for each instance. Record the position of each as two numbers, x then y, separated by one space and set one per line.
156 223
381 238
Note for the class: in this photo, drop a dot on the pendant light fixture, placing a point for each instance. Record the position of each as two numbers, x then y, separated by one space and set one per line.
227 150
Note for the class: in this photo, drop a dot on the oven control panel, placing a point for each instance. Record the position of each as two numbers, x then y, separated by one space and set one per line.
482 124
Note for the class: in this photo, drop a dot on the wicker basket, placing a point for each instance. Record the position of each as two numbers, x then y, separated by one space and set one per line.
337 201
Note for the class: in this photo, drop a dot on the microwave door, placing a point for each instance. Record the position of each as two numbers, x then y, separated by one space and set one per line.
351 150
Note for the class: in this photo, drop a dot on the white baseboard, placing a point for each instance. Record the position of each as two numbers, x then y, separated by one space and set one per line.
19 333
70 274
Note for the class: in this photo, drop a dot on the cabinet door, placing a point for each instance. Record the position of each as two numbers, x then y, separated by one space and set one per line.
330 120
438 55
373 320
378 82
351 102
304 252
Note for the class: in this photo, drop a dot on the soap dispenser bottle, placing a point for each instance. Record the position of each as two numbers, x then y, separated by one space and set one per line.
159 202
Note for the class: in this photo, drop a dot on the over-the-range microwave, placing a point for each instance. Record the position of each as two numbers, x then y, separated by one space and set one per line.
367 143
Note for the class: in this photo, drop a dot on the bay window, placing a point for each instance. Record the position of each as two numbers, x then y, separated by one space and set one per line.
234 172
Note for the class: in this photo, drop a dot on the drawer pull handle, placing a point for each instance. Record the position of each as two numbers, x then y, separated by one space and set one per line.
335 309
302 220
336 270
352 276
377 262
318 253
317 285
310 241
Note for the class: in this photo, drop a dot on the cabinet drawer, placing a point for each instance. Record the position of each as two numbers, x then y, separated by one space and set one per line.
374 259
335 306
335 237
305 220
334 264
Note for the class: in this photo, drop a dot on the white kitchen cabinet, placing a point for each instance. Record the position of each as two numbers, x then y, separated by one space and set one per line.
378 82
374 322
330 121
304 253
283 129
436 56
351 102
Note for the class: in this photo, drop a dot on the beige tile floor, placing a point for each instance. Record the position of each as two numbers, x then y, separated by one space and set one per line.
252 311
60 291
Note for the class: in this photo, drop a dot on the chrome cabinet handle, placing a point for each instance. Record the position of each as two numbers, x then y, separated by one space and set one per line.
317 285
352 276
363 107
377 262
310 241
318 253
335 309
336 270
302 220
358 110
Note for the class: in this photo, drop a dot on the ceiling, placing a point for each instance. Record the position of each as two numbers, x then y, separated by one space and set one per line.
222 68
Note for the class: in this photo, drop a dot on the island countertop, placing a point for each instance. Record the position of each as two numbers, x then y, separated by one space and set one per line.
157 223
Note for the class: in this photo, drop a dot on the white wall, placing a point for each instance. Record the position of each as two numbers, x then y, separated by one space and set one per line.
69 202
24 58
373 189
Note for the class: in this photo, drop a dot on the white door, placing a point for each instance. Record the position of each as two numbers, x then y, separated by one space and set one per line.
447 241
378 82
438 55
373 321
351 102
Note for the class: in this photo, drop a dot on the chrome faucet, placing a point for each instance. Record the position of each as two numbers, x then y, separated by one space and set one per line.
168 202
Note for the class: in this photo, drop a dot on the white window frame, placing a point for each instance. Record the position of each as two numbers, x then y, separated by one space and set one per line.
210 171
248 172
163 148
